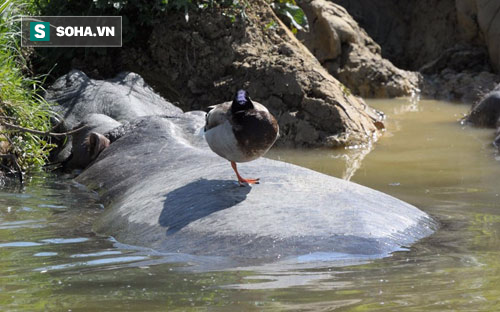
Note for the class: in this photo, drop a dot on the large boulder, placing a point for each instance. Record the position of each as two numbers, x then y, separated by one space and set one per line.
350 55
163 188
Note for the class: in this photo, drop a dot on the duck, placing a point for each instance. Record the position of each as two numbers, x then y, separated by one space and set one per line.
240 131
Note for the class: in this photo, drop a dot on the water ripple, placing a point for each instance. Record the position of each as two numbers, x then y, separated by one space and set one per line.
20 244
98 262
97 254
65 240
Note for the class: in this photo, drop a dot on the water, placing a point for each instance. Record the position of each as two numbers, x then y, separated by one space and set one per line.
50 260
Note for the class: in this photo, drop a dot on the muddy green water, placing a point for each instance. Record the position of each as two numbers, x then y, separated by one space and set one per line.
50 260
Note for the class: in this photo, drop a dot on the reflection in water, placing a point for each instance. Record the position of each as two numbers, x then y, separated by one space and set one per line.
97 254
411 106
19 244
353 161
52 261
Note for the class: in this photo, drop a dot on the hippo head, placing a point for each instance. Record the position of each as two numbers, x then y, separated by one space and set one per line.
95 144
84 151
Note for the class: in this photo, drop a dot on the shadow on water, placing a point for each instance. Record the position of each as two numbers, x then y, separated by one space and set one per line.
199 199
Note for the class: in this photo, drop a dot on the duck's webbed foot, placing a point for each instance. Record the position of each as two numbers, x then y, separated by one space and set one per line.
242 180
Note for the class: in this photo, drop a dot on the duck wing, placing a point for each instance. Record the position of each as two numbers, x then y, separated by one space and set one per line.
217 115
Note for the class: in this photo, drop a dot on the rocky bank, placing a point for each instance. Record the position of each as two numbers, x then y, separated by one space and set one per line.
350 55
454 44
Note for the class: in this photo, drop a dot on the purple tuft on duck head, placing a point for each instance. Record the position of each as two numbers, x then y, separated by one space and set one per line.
241 102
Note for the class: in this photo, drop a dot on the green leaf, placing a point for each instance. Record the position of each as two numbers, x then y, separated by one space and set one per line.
291 14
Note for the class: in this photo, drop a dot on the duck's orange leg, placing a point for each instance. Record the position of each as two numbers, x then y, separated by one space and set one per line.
242 180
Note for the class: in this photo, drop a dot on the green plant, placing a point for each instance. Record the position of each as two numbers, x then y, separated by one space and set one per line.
20 101
291 14
345 90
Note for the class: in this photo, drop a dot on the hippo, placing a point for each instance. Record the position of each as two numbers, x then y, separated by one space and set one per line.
486 112
163 188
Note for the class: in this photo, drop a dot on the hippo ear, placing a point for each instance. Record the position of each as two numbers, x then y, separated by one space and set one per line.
96 143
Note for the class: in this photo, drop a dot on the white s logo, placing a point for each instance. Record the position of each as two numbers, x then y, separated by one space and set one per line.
39 29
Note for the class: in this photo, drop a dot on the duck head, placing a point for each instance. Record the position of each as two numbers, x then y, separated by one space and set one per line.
241 102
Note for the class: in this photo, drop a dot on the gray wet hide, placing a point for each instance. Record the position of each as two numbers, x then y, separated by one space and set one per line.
163 188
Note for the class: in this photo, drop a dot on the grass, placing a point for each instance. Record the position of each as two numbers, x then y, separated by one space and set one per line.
21 102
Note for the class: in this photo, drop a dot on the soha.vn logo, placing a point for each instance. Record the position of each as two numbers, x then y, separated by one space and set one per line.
40 31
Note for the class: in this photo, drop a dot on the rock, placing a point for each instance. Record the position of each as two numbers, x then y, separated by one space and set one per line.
350 55
485 14
487 112
402 28
459 58
458 55
464 86
467 21
163 188
461 73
